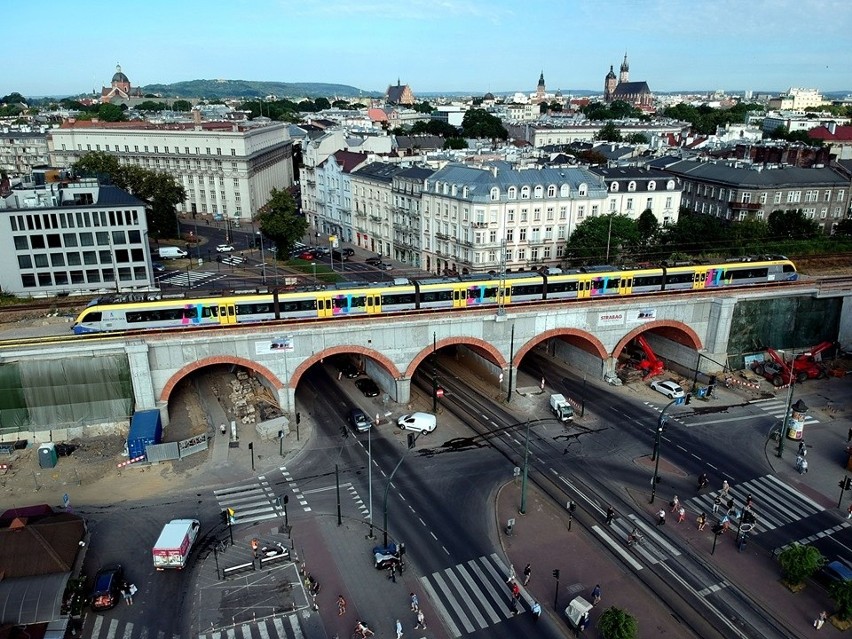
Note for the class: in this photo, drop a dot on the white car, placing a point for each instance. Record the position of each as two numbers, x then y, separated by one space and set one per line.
420 422
224 248
669 388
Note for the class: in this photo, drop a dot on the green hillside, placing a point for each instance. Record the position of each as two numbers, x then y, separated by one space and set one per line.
252 89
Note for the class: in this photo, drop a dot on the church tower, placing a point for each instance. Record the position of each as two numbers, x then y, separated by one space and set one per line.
539 90
609 85
625 70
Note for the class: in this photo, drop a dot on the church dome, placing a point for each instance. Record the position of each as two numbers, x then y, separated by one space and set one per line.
611 74
488 96
119 76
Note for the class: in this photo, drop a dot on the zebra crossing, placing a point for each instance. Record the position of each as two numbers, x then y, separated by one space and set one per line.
270 628
472 596
777 407
106 628
191 279
653 547
775 503
251 502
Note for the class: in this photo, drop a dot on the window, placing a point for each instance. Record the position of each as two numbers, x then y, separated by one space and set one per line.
549 213
28 281
794 196
537 214
510 235
612 206
581 212
551 191
595 208
524 216
669 202
631 186
522 235
763 197
495 194
37 241
649 204
652 186
539 192
613 187
40 260
90 257
630 204
745 198
777 198
25 261
57 259
21 243
525 193
582 190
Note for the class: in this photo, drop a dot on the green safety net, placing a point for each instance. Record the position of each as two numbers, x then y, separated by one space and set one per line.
66 392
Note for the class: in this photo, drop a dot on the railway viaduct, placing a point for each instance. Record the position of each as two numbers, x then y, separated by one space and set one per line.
695 330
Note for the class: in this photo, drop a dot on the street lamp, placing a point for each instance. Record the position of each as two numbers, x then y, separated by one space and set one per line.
661 424
523 509
314 265
262 259
387 488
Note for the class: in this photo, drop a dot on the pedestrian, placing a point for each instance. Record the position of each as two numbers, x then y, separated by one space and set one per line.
392 571
255 544
803 451
421 620
341 606
748 501
849 511
717 501
415 603
702 480
398 629
820 620
681 514
675 503
725 487
610 513
702 521
661 517
581 625
849 436
596 595
536 610
125 592
513 606
527 573
516 591
730 504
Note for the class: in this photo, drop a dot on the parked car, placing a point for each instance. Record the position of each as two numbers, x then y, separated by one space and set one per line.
384 266
386 556
375 261
367 386
669 388
359 420
419 422
350 371
107 588
158 267
224 248
834 572
307 255
348 252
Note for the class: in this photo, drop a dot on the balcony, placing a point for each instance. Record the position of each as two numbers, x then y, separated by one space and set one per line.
442 236
361 215
376 218
479 225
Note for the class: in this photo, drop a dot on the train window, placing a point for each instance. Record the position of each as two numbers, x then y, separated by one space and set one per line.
399 298
436 296
752 273
529 289
209 311
357 302
489 293
561 287
648 280
789 268
678 278
93 317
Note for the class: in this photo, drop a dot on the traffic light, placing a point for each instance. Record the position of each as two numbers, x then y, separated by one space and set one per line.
688 398
411 439
231 512
224 516
847 483
556 573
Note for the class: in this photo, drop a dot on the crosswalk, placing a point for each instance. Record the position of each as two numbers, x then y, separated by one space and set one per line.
775 503
254 501
472 596
190 279
106 628
287 627
777 407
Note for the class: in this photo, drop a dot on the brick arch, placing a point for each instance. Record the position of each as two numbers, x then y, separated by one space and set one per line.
596 346
475 342
212 361
676 331
336 350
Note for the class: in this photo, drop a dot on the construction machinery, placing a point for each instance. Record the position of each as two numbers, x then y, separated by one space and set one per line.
650 365
803 367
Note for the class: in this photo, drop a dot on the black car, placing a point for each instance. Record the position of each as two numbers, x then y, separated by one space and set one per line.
107 587
367 386
348 252
374 260
349 371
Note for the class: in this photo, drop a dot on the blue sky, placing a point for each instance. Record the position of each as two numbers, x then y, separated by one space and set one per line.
53 48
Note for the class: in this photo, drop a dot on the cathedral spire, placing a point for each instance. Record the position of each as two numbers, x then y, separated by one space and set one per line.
625 70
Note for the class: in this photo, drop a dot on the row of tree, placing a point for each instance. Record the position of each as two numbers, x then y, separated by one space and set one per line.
704 119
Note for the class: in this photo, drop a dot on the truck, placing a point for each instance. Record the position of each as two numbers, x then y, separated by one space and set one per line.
174 543
561 408
146 428
171 252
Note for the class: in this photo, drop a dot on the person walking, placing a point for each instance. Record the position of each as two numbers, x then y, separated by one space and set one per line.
675 503
527 573
681 514
398 629
516 591
596 595
717 501
255 544
341 606
513 606
421 620
725 487
702 480
125 592
849 511
819 621
536 610
661 517
702 521
610 514
415 603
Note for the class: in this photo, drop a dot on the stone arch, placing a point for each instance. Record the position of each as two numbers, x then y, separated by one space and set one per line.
219 359
675 331
336 350
596 347
474 342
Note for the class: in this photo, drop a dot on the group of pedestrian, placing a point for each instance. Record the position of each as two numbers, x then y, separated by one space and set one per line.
127 591
363 630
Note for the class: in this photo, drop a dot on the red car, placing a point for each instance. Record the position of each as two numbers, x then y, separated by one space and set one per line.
307 255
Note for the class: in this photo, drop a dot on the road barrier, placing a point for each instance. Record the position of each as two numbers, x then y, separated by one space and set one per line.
271 559
131 461
232 570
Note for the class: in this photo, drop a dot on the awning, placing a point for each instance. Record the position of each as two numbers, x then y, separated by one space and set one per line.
28 600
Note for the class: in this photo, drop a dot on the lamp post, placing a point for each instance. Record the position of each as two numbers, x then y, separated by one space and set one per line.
314 265
370 476
523 509
784 424
661 424
262 259
511 358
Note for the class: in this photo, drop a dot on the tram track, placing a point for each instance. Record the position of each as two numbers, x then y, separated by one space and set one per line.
733 615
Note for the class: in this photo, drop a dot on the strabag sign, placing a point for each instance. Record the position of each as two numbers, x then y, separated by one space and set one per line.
613 318
633 316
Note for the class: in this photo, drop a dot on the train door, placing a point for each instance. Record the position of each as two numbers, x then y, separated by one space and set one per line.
699 278
504 294
373 303
584 287
625 285
325 306
459 297
227 313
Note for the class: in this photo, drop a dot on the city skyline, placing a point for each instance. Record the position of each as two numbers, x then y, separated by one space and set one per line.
453 46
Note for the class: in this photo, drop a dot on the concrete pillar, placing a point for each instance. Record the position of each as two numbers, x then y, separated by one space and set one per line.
403 390
609 366
719 325
287 400
140 376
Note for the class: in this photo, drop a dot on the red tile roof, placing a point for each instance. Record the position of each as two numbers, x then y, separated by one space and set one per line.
841 134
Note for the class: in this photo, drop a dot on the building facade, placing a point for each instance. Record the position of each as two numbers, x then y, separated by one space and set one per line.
73 238
477 220
227 169
372 206
21 152
543 134
333 195
735 192
635 93
406 190
632 191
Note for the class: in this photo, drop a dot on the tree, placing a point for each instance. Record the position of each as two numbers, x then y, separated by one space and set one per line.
322 104
749 235
455 143
478 123
638 138
798 562
181 105
598 240
841 593
844 228
111 113
647 226
696 234
150 105
615 623
280 221
609 133
13 98
423 107
791 224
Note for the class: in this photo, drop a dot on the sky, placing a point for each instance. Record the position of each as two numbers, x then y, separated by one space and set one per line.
472 46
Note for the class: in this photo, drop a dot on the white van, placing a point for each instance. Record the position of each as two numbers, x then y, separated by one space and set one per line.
174 543
420 422
171 252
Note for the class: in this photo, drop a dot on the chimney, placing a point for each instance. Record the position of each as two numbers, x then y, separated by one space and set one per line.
832 127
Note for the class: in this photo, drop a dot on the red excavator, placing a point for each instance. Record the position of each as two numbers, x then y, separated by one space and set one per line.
803 367
775 369
808 365
651 365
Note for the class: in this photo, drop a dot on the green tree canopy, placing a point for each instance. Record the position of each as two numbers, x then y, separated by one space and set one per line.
841 593
280 221
322 104
696 234
638 138
589 241
13 98
478 123
150 105
435 127
647 226
455 143
423 107
798 562
111 113
182 105
844 228
704 119
615 623
609 133
792 224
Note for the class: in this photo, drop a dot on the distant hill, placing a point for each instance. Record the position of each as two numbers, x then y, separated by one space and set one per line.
253 89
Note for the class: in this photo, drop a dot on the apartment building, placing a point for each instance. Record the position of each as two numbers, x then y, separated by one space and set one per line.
478 220
372 201
332 195
634 190
545 133
73 238
733 191
406 190
227 169
22 151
